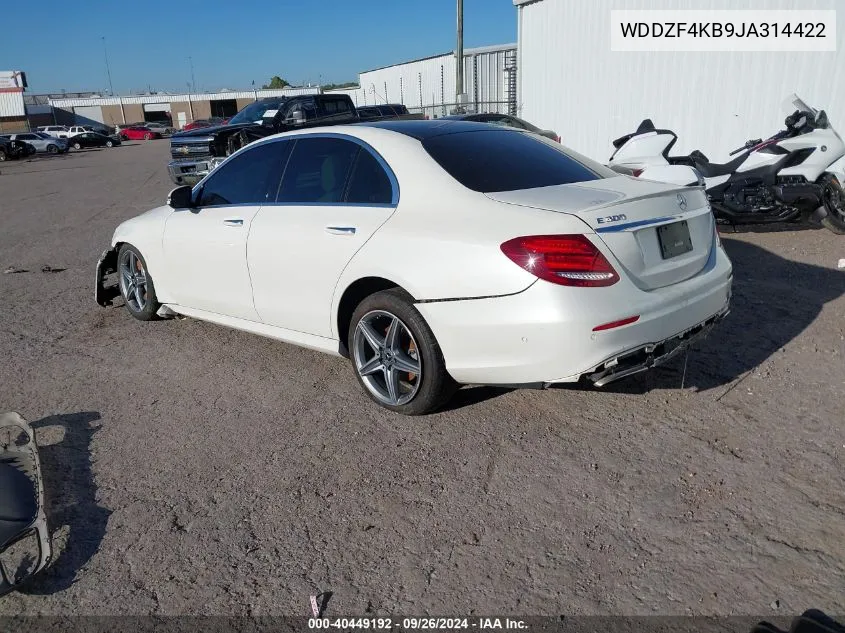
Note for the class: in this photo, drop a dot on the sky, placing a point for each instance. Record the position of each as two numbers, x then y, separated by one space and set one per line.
232 44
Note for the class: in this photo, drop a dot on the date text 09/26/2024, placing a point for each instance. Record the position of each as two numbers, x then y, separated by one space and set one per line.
417 624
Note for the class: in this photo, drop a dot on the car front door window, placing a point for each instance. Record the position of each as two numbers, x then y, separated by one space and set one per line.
249 178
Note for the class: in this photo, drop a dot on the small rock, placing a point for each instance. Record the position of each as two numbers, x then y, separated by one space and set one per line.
775 604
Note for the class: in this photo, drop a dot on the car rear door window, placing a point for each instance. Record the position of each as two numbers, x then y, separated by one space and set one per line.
369 182
251 177
317 171
508 160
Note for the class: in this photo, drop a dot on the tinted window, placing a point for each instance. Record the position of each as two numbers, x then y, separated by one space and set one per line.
250 178
27 137
369 183
502 160
317 170
336 106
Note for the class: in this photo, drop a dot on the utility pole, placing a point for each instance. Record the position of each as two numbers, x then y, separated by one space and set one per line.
193 81
459 59
108 70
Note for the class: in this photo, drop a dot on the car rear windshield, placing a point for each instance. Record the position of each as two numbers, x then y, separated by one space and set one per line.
506 160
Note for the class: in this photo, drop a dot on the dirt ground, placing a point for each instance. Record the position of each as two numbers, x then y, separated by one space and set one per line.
192 469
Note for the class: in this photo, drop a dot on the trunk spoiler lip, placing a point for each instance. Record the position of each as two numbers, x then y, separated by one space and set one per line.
623 199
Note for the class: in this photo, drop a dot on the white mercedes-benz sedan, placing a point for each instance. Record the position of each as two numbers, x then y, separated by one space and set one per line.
432 254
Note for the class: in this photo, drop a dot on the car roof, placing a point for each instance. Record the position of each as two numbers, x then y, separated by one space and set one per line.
422 130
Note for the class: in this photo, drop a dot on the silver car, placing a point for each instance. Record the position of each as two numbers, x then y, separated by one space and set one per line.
41 141
161 128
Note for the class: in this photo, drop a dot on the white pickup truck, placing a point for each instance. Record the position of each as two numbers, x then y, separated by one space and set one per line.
59 131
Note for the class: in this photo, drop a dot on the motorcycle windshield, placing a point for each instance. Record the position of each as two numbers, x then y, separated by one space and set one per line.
793 102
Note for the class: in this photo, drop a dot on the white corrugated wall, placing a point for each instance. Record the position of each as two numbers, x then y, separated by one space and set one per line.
431 82
11 104
571 82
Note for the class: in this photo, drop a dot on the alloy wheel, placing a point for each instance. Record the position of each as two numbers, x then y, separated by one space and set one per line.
387 358
133 281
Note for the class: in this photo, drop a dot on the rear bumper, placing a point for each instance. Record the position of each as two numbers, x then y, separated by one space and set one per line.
544 335
188 172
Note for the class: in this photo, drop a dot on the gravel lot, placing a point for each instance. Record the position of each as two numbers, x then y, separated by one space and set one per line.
192 469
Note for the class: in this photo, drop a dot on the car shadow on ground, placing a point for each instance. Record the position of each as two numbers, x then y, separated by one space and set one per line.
727 230
774 301
470 395
70 494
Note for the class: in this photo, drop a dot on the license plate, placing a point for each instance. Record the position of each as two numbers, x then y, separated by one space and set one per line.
674 239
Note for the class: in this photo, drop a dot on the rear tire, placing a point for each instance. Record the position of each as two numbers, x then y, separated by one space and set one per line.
2 155
136 285
834 203
52 149
407 374
77 146
147 136
109 144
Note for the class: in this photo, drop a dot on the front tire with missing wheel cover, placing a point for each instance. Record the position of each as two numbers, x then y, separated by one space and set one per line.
395 356
136 285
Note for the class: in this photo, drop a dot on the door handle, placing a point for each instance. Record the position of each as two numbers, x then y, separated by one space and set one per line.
340 230
234 222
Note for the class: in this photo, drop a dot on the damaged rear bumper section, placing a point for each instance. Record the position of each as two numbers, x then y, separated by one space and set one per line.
106 265
25 547
652 355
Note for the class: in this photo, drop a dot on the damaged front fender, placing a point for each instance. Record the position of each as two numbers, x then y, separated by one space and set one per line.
106 265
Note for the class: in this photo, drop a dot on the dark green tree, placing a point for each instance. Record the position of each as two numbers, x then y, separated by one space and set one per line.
276 83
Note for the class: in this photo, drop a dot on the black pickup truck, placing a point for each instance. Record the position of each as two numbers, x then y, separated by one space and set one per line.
196 152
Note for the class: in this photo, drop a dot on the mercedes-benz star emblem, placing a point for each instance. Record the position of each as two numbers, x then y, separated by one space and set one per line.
682 202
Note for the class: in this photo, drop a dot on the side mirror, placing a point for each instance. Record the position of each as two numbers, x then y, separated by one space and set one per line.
180 198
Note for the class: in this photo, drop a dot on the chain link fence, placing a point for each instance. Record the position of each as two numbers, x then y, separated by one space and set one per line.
445 109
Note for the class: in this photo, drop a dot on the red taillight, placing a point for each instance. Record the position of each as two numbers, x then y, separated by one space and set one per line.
568 260
619 323
636 172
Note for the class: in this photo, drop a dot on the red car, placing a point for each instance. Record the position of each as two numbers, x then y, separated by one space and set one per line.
213 121
137 133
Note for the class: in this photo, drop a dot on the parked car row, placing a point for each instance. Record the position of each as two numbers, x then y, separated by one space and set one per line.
160 127
63 131
10 149
25 144
41 141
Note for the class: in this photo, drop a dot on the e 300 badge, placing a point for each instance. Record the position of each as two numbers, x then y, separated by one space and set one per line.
612 218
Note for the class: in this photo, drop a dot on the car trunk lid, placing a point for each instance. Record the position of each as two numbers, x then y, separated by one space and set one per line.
660 234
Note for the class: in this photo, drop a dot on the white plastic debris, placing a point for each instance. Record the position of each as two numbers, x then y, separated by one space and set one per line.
841 263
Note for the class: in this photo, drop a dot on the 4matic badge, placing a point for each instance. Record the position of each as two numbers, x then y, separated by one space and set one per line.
612 218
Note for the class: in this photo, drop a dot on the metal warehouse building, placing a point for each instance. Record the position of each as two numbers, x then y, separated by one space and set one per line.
181 109
570 80
12 109
428 85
